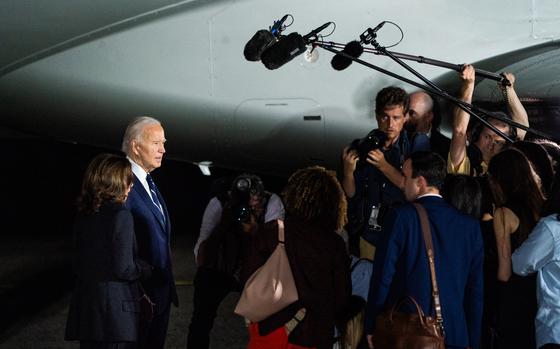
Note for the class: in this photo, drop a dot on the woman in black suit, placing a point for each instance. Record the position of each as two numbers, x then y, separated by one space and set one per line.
104 310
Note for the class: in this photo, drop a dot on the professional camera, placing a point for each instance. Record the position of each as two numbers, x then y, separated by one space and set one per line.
374 140
243 189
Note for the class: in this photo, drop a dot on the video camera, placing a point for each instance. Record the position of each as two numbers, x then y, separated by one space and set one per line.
243 189
374 140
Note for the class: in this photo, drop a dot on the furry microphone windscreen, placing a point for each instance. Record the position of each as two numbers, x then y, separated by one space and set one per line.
258 43
353 49
283 51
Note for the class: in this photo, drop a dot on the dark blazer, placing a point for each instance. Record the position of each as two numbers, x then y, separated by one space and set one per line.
401 268
104 306
321 269
153 238
440 144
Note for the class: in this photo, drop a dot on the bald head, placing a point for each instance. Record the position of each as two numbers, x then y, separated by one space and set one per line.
421 111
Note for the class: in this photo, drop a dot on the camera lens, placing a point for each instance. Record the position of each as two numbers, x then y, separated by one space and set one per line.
242 214
242 184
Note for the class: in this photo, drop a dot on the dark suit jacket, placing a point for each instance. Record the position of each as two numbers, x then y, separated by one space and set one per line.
401 268
153 238
104 306
440 144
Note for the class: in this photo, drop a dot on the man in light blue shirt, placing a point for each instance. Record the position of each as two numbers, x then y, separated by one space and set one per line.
541 253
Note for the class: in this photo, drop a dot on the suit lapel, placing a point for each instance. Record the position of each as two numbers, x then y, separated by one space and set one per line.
150 204
164 208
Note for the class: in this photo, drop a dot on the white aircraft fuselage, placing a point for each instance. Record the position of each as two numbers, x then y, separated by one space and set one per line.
78 71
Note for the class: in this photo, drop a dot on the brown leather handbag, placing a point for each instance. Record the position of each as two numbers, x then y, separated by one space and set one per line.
397 330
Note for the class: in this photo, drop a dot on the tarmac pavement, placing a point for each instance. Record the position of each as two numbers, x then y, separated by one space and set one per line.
44 327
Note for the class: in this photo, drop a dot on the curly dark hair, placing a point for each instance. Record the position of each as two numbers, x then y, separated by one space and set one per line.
315 195
107 179
391 95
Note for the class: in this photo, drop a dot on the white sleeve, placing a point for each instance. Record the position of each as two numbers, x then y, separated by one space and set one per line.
210 219
536 251
274 209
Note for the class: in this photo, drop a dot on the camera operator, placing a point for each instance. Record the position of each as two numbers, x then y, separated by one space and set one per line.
227 225
372 176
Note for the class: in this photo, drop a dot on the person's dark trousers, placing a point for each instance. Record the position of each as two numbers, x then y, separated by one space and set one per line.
153 334
210 289
550 346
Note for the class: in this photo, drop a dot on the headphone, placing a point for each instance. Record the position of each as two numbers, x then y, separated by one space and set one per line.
479 126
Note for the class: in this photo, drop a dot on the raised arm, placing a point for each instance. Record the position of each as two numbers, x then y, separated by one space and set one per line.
458 148
518 112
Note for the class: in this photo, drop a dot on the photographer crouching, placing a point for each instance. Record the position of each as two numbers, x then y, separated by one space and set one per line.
227 225
372 170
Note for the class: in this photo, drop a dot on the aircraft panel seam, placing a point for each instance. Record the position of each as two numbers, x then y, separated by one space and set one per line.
74 41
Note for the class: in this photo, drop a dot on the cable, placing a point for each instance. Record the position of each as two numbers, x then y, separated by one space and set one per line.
402 34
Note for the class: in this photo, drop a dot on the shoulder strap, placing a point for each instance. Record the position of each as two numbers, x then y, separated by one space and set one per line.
280 231
430 252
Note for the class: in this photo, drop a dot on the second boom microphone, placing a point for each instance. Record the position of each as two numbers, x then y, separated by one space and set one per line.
287 48
263 39
355 48
352 49
283 51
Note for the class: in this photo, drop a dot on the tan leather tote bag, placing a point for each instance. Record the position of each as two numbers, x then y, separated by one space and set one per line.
270 288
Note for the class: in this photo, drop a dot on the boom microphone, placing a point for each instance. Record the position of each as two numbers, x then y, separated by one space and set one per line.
355 48
314 32
283 51
277 28
288 47
263 39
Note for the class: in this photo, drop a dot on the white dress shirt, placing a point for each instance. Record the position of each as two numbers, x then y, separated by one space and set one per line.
141 174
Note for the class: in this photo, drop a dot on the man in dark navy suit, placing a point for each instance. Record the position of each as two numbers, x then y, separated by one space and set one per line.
143 143
401 264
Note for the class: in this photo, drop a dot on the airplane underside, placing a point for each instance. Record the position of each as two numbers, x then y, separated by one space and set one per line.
77 72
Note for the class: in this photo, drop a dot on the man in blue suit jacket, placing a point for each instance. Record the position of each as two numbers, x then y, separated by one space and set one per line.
401 264
143 143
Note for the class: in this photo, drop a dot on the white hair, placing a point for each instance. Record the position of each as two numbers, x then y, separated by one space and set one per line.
134 131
